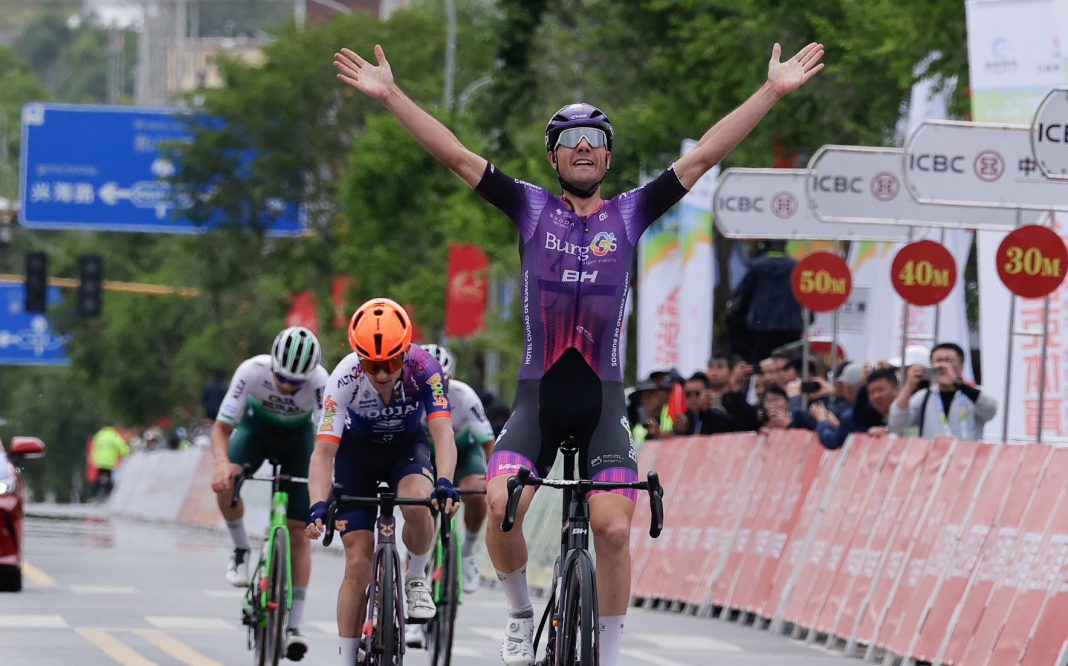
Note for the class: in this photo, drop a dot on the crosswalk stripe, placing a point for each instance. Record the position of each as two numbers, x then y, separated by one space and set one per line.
641 655
188 623
39 578
492 633
114 648
32 622
176 648
103 589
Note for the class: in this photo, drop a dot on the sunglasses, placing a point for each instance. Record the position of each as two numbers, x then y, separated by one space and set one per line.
286 380
389 365
571 137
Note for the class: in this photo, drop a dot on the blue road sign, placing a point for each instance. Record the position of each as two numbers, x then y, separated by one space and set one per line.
101 168
27 338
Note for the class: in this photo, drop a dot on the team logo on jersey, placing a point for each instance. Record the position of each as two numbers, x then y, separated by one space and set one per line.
437 388
603 243
329 412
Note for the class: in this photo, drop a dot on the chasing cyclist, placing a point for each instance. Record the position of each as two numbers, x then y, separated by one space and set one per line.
270 411
371 431
474 443
576 251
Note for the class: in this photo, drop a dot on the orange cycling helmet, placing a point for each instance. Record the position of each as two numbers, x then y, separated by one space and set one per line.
380 330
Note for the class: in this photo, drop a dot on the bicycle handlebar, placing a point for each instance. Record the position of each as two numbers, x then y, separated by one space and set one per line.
525 478
337 500
247 475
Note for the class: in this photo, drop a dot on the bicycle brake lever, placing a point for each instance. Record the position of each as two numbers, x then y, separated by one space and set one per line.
331 511
239 480
656 505
515 492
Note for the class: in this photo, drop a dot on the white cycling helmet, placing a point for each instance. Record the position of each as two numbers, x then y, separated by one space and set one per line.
295 354
442 356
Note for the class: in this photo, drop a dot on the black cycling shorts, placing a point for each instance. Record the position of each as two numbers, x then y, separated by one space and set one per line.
569 400
361 464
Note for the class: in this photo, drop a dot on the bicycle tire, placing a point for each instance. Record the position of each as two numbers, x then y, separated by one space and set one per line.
577 638
278 596
257 616
385 635
443 628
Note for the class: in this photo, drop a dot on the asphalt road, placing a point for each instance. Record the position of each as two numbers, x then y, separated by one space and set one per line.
101 591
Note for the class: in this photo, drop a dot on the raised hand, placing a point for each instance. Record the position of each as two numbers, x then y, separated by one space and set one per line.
786 77
373 81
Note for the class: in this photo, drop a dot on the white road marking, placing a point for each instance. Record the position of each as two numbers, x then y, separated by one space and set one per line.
649 658
687 642
103 589
21 621
329 628
460 651
194 623
492 633
485 604
225 594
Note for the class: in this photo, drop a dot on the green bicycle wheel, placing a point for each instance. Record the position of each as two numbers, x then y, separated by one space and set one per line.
255 617
447 596
277 606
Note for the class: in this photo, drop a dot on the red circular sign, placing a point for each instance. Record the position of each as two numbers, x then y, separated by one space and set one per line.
1032 261
822 282
923 273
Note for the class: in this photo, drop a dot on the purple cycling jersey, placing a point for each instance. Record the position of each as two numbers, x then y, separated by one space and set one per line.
576 270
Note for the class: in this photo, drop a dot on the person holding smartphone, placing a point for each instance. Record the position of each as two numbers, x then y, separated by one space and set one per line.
947 406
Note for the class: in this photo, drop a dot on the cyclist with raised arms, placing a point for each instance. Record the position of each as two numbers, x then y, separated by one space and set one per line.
371 431
474 442
576 251
270 411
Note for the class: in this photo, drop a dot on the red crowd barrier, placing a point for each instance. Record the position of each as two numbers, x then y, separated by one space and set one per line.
940 550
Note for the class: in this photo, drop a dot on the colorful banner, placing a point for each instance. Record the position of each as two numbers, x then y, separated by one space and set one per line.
698 272
465 297
1014 58
659 276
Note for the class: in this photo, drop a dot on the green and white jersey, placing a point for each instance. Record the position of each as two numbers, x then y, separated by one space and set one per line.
469 421
253 391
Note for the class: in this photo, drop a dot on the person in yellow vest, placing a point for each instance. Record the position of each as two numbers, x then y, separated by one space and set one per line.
109 447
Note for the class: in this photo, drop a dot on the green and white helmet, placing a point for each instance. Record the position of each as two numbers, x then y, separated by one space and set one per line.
443 356
295 354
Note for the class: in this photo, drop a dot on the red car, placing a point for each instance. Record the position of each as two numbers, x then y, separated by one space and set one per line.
11 509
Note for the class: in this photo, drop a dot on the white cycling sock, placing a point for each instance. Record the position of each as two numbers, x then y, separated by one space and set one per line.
296 613
417 564
610 635
348 650
515 591
470 539
237 533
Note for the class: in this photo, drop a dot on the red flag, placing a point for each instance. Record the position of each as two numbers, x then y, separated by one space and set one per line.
302 311
465 304
677 401
337 296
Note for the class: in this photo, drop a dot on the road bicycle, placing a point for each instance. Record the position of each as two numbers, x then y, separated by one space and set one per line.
382 643
572 632
265 609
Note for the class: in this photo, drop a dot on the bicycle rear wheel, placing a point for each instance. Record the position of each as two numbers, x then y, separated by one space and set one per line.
385 641
254 616
577 637
447 596
277 599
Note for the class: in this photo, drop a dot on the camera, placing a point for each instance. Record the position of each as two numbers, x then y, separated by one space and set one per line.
930 374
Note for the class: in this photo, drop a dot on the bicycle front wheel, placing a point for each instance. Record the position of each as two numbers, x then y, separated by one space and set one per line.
447 596
278 597
577 638
387 647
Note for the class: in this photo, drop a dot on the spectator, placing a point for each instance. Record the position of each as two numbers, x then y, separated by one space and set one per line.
734 402
213 396
961 409
776 412
846 388
719 375
653 420
881 390
763 310
108 448
703 414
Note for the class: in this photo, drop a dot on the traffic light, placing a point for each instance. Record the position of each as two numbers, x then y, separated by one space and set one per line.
91 273
36 282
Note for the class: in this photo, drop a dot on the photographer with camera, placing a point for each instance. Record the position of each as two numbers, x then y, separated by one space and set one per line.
936 401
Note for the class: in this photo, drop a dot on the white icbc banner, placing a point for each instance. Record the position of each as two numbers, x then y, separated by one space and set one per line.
862 185
978 164
1049 135
773 203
